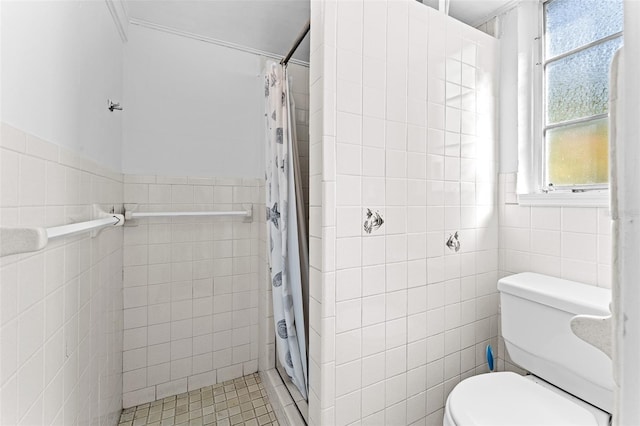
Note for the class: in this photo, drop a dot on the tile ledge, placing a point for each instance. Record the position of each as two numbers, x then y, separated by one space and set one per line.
598 198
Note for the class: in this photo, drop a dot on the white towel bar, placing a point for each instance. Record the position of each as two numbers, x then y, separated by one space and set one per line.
134 215
23 240
75 228
130 213
14 240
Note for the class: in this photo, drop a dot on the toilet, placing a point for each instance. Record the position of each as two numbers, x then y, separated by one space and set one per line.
570 381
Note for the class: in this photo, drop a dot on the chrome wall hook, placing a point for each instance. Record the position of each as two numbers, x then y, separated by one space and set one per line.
113 105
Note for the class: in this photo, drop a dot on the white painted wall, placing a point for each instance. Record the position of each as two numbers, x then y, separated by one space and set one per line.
191 108
626 256
518 28
509 92
60 62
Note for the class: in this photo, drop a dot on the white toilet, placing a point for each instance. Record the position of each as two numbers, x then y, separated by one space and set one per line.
571 382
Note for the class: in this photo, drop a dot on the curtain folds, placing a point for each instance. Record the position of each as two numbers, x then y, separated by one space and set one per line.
285 228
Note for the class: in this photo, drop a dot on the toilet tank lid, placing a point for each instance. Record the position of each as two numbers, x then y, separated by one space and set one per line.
569 296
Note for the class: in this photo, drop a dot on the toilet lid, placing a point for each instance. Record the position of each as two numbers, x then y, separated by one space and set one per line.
508 399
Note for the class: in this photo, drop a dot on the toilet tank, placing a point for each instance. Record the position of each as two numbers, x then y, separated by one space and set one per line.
536 312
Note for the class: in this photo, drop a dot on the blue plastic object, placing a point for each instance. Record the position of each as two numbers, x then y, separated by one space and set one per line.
490 357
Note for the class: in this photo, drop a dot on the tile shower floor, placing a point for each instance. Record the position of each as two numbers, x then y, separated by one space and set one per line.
242 401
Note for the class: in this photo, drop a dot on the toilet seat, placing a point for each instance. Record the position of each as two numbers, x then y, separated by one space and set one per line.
508 399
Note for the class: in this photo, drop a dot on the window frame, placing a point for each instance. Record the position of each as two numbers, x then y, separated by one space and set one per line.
587 195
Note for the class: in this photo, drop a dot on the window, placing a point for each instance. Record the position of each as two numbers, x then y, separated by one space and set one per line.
580 38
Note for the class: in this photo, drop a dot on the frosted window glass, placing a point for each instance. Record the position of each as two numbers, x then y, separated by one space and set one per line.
578 85
578 154
570 24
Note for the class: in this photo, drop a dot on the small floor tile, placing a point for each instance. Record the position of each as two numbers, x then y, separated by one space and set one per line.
238 402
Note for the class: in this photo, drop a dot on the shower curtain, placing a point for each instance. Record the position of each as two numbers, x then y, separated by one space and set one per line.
285 227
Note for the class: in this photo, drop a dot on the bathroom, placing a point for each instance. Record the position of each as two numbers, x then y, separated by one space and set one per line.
421 180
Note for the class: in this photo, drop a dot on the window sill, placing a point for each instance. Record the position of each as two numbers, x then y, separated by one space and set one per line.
568 199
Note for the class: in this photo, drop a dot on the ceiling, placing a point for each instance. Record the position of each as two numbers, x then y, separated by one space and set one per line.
250 23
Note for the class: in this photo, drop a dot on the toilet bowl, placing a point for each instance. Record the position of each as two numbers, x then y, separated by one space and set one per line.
509 399
571 381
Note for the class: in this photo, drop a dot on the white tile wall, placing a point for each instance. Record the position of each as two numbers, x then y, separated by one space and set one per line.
190 286
405 126
567 242
299 75
60 308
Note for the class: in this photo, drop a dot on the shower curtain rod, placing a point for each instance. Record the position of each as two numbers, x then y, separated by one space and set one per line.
296 43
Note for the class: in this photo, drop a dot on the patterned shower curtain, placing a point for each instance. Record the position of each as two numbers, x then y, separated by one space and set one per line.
282 224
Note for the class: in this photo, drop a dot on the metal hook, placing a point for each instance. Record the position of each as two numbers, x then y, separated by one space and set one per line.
113 105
